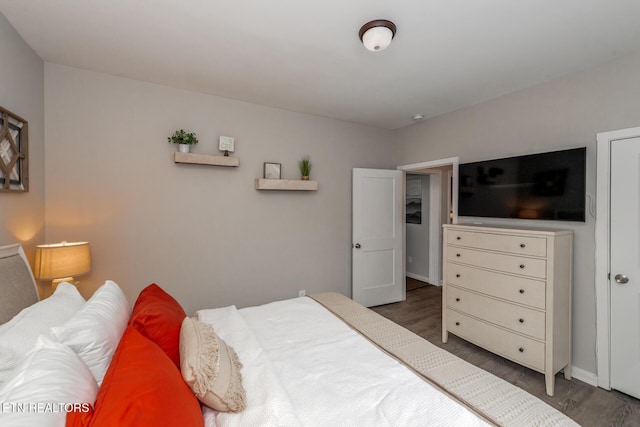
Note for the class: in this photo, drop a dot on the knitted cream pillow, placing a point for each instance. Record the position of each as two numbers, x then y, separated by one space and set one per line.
210 367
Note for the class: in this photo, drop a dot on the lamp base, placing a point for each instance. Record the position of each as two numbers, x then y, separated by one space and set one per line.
56 282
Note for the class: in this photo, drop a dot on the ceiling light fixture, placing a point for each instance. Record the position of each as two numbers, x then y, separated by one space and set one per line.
418 117
377 35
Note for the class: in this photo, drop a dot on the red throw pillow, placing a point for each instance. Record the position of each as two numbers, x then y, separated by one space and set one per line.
141 389
158 316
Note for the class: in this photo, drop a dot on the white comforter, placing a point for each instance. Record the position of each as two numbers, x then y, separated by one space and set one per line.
303 366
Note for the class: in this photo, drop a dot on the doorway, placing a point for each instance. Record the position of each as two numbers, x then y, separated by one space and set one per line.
617 269
423 243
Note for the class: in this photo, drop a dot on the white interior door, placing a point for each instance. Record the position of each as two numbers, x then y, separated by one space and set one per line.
378 236
625 266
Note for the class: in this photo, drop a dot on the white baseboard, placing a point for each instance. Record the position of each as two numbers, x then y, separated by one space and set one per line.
584 376
418 277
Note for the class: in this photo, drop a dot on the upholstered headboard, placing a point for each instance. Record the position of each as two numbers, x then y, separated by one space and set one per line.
17 285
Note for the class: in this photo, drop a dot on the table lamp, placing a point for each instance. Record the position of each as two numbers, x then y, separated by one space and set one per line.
59 262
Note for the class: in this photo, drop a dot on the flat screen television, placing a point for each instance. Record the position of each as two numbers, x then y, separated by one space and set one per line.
547 186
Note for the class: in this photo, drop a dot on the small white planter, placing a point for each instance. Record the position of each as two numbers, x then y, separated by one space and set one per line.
184 148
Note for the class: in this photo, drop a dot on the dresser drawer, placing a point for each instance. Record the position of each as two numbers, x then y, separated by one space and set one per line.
523 350
508 263
517 289
520 319
520 245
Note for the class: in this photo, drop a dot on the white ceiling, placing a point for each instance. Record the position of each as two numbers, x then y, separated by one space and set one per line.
305 55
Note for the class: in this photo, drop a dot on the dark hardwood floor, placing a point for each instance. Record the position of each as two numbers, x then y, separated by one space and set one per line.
415 284
421 313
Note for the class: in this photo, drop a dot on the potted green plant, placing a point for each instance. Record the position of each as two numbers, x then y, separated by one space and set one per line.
183 139
305 168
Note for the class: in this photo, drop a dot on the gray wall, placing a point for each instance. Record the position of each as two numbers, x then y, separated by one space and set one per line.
22 92
201 232
204 233
417 238
564 113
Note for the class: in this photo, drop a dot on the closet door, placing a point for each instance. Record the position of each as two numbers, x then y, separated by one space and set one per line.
625 266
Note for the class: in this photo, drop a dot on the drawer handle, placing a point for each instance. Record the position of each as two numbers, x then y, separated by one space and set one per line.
457 323
457 255
522 291
521 350
457 275
521 320
458 238
458 299
521 265
522 245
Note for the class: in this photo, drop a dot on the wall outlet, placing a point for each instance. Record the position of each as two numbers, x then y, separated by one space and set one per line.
410 260
302 293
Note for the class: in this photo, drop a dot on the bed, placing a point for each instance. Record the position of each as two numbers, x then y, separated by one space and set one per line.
321 360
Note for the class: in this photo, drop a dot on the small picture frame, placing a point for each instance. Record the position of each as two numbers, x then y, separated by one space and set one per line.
226 143
272 170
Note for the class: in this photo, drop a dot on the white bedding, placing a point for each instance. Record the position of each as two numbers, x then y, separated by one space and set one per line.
323 374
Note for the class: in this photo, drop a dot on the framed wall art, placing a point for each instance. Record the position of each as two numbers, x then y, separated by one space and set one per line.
14 150
414 199
272 170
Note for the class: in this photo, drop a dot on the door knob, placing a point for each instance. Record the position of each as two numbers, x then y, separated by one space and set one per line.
621 278
358 246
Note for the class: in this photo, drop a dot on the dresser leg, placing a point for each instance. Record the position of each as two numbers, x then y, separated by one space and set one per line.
549 380
445 336
567 372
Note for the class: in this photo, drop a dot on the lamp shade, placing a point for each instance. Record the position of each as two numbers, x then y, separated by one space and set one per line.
62 260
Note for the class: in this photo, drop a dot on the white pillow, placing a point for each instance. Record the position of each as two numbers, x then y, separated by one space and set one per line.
18 336
94 332
45 386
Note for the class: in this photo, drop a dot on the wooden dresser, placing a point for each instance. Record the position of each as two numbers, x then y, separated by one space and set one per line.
508 290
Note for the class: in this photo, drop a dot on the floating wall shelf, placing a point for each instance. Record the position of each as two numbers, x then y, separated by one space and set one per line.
286 184
205 159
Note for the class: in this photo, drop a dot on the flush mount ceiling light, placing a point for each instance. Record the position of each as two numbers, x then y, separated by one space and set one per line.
376 35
